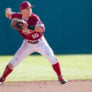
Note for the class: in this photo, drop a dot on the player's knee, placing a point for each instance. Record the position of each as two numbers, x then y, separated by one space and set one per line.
53 60
11 66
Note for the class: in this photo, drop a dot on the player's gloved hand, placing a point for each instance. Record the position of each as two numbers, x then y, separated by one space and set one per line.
19 24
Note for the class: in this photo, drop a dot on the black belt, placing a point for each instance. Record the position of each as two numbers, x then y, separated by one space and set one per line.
33 42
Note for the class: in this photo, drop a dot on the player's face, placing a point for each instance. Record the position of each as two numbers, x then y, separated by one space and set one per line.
26 12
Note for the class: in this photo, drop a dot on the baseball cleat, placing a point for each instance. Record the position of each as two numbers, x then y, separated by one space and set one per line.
62 80
2 81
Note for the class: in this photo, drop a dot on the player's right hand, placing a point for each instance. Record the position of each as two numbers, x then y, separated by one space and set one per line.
8 12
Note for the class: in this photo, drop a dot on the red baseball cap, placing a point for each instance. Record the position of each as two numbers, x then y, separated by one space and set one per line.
25 4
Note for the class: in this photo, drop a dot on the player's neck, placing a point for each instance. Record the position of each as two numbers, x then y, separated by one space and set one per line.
26 17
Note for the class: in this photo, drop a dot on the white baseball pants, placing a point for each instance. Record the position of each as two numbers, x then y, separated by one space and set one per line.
27 48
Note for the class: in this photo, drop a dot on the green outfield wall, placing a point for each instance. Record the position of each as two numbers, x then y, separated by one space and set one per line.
68 25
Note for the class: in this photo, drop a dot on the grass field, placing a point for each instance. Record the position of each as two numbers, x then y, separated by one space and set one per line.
35 68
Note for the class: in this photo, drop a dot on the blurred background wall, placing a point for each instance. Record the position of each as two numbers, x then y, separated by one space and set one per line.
68 25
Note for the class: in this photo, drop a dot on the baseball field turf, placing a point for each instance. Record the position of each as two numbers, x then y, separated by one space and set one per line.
37 67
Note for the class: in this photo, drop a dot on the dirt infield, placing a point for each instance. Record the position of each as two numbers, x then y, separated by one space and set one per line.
48 86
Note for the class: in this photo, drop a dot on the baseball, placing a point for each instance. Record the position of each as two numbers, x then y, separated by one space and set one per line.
8 10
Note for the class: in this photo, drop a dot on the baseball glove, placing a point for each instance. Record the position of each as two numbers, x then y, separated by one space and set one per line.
18 24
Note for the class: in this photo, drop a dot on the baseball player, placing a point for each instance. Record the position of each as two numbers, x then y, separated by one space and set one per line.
34 41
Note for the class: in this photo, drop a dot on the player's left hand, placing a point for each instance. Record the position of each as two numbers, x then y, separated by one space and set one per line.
19 24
